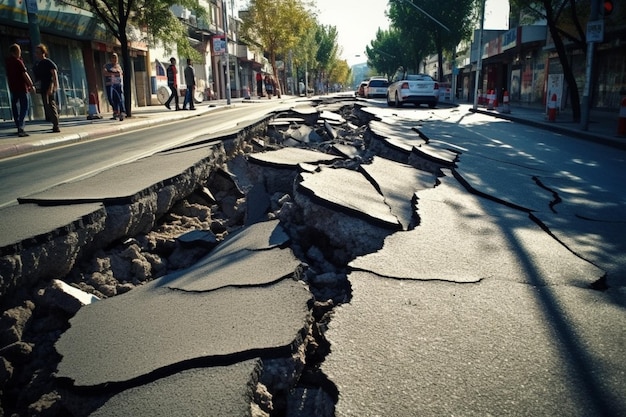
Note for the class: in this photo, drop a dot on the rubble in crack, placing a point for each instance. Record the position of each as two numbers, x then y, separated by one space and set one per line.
236 277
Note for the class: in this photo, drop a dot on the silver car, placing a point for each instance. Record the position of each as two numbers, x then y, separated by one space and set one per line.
412 88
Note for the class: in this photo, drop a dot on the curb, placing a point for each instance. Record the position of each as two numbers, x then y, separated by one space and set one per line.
552 127
16 149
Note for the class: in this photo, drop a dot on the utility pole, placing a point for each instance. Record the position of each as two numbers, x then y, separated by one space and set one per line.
595 33
227 68
33 25
479 58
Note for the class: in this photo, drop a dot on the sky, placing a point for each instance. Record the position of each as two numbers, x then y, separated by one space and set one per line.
357 22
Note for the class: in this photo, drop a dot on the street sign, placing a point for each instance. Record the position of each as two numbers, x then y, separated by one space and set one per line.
595 31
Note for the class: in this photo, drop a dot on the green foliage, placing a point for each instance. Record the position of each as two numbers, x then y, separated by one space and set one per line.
153 17
422 31
275 25
326 40
305 51
339 72
388 51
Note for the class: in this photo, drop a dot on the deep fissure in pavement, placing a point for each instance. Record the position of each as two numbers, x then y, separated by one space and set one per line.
32 322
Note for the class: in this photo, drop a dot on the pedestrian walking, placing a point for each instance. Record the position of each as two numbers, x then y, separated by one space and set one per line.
275 86
20 84
114 85
190 80
172 83
269 88
259 84
47 73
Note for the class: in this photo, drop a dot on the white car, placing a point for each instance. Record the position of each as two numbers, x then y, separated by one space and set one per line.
376 87
412 88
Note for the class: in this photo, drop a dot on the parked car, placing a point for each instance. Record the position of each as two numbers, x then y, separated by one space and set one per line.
360 92
412 88
376 87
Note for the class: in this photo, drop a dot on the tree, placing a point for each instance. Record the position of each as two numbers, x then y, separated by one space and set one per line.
423 29
306 51
155 16
563 18
275 25
339 72
327 49
388 51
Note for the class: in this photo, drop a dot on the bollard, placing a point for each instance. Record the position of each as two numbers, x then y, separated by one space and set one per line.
93 108
552 108
506 107
490 100
621 120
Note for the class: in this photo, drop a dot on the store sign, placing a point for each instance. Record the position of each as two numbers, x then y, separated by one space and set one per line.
219 45
509 39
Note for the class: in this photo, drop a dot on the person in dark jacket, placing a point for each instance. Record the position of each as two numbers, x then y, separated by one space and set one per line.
259 84
20 84
190 80
172 83
46 72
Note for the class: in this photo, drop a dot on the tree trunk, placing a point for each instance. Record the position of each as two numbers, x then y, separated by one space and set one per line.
440 64
127 68
568 74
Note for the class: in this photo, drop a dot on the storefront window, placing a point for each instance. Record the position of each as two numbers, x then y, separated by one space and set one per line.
610 79
72 80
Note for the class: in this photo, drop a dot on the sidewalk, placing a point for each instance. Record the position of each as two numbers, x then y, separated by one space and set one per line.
78 128
602 126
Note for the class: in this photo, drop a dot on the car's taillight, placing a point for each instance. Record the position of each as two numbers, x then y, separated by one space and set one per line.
436 86
404 86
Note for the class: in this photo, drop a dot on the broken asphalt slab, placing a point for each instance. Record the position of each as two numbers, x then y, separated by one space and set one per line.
154 331
349 191
32 224
465 238
218 391
398 184
230 264
290 157
162 327
128 182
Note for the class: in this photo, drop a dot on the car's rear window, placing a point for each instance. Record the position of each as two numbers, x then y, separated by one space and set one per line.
419 77
378 83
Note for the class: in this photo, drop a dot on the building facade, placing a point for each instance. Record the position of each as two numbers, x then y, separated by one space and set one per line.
80 47
523 62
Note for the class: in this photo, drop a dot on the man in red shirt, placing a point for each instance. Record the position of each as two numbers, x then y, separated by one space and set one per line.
172 83
20 84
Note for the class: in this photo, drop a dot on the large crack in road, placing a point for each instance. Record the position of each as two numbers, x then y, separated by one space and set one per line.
348 192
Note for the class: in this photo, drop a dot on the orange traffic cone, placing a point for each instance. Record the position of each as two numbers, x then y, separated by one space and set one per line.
93 108
490 96
621 120
506 108
552 108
